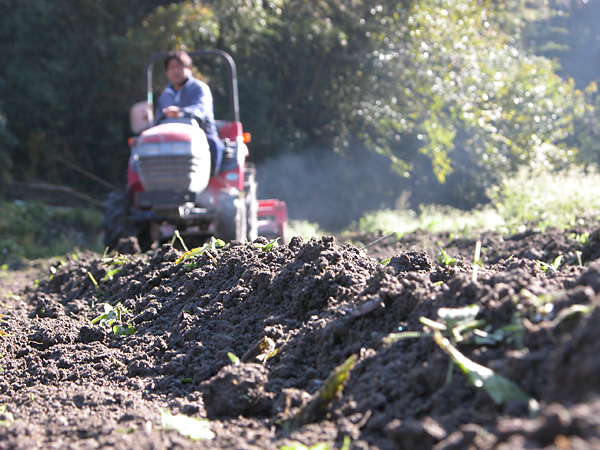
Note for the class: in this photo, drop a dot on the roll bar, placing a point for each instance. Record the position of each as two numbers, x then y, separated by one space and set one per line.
231 72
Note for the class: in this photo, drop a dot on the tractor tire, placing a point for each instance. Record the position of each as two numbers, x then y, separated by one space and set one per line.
115 224
231 218
251 202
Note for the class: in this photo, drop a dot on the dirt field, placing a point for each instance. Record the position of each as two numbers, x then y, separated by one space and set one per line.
247 337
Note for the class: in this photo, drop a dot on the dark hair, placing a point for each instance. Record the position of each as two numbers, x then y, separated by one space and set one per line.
180 56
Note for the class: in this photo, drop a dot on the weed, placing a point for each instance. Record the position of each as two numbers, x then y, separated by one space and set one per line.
111 318
527 199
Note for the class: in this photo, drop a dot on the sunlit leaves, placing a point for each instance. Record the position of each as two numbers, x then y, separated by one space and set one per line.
462 81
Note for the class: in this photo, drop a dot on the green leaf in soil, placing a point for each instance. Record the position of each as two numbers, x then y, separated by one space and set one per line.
320 401
235 360
445 259
191 427
499 388
120 330
268 247
198 251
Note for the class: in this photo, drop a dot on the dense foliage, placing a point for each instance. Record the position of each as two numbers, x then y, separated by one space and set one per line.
451 91
32 230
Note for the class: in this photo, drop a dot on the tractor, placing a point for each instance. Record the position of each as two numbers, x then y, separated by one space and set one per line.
170 188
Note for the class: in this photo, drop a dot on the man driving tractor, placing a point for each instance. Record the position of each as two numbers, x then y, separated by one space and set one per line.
187 96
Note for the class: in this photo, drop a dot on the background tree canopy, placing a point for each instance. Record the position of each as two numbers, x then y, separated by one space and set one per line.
450 94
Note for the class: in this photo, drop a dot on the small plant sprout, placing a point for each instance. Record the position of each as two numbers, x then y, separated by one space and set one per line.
553 267
456 324
235 360
499 388
445 259
268 247
94 282
116 260
110 274
459 320
195 429
579 261
477 263
542 306
193 254
317 406
582 239
111 317
571 311
177 236
6 417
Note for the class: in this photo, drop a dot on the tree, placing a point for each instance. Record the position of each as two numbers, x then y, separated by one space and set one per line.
455 86
62 86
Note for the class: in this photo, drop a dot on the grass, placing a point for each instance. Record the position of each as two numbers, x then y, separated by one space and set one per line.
544 199
527 200
30 230
305 229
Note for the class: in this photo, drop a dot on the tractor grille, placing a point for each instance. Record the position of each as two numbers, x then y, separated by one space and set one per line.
173 165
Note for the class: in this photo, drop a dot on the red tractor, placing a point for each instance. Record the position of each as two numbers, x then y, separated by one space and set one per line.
169 183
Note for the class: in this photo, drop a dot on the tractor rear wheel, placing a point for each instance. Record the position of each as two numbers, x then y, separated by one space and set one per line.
231 219
115 224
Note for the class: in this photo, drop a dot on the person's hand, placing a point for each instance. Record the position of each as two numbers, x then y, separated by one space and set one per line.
172 111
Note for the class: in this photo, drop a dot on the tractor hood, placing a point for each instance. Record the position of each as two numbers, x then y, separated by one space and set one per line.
173 156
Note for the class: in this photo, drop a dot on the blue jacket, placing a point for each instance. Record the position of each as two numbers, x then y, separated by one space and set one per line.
195 100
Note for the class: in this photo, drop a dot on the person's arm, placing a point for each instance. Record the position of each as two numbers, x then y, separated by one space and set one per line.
198 99
164 101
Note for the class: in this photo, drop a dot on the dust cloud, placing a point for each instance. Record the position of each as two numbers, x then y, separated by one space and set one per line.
327 188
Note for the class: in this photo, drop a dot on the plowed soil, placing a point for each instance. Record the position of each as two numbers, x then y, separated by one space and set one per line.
291 316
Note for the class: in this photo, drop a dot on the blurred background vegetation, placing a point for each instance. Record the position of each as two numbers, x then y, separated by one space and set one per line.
390 104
